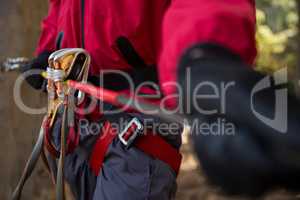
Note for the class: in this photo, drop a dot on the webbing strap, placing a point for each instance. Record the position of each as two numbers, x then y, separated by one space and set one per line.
101 147
151 144
31 163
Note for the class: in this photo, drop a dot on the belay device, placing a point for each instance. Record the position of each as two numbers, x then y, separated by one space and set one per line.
65 64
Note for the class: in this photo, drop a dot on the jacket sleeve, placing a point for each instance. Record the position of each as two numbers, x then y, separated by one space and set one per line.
229 23
49 28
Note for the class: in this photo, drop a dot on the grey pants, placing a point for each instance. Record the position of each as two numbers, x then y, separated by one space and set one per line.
127 174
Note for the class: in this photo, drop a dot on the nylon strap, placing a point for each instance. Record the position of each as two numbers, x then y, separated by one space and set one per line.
31 163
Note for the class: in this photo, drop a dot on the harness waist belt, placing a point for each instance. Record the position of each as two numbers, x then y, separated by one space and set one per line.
151 144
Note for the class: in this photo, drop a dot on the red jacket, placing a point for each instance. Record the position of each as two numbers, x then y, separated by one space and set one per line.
160 30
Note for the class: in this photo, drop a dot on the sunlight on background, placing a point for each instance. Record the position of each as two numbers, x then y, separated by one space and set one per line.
277 37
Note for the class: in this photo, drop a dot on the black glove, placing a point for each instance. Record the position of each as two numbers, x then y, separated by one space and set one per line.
256 157
41 62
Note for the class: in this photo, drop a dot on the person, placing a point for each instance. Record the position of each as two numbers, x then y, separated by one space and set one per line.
215 42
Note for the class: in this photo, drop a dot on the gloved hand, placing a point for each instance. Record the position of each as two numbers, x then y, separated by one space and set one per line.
253 157
41 62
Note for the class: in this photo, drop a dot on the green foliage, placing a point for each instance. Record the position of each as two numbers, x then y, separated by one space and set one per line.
277 34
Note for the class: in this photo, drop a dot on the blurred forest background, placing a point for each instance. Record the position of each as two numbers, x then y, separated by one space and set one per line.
278 45
278 38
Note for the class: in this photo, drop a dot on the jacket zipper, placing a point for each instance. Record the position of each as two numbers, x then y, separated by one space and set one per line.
82 23
59 39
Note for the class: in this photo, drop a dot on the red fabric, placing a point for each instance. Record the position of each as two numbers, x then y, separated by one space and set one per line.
152 145
230 23
159 30
101 147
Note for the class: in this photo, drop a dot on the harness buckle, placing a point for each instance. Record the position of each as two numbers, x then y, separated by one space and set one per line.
131 131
